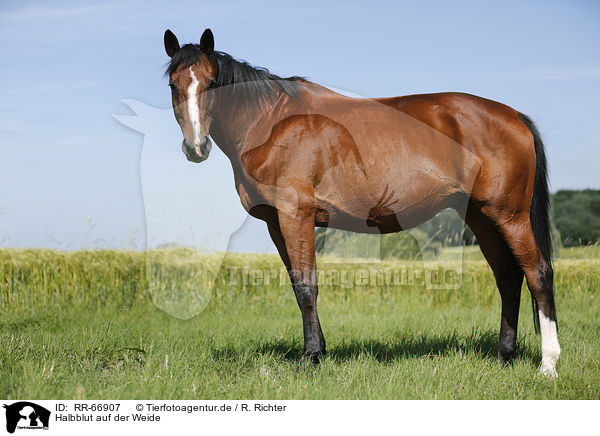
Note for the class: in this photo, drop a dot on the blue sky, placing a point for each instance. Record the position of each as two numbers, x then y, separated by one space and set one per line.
70 172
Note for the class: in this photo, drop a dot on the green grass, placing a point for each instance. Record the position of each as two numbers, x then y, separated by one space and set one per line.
585 252
81 325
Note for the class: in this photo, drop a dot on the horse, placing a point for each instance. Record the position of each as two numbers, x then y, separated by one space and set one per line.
304 156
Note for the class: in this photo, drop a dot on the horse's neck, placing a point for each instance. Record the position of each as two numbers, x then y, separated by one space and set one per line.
230 127
232 121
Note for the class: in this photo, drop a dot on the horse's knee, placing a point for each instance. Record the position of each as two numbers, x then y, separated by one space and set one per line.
509 283
306 295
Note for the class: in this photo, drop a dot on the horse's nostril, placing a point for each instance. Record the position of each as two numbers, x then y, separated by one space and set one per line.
203 141
195 153
206 146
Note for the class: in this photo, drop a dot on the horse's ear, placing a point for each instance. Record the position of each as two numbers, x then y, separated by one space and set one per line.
207 42
171 43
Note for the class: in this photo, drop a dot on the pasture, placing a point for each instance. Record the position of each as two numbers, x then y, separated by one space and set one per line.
81 325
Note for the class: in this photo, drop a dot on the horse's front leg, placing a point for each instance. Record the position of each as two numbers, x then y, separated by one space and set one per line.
298 237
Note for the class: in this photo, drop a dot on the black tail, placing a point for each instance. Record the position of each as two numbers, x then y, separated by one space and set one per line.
540 206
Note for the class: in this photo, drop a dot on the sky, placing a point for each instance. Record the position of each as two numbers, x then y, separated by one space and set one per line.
78 78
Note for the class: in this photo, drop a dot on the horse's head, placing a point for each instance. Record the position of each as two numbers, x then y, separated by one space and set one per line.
192 71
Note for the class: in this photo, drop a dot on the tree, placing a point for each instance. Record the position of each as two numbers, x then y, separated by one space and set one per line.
577 216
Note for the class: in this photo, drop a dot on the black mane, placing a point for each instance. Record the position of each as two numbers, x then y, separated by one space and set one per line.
254 86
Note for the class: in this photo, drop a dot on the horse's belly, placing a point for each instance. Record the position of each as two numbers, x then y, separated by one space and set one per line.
384 209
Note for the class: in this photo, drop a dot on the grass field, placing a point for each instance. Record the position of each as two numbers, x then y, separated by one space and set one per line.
81 325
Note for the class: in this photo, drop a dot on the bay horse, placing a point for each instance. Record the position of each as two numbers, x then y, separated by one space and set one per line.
305 156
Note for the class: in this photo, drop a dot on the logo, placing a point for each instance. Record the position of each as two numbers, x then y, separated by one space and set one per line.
26 415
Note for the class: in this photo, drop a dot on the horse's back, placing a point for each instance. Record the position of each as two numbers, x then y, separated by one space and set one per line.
492 131
459 116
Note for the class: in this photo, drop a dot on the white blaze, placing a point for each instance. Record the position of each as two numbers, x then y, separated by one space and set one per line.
550 346
192 104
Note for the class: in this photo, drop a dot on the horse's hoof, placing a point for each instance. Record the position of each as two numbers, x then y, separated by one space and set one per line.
548 371
505 359
309 361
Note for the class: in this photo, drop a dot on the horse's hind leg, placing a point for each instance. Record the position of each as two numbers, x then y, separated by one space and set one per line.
508 275
519 235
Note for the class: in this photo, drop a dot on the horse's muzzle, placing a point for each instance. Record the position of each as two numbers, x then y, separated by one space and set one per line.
197 153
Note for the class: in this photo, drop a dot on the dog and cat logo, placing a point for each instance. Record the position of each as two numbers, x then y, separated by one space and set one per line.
26 415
